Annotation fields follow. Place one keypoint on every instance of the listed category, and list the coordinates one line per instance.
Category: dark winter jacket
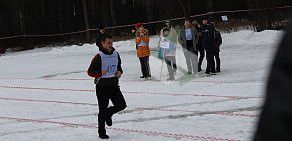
(208, 37)
(218, 41)
(275, 123)
(182, 38)
(94, 70)
(199, 30)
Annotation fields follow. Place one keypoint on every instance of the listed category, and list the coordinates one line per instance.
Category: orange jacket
(142, 43)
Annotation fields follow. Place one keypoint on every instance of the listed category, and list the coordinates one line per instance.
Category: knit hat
(165, 29)
(138, 25)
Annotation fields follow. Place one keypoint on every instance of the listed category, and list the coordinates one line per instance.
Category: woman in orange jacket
(143, 51)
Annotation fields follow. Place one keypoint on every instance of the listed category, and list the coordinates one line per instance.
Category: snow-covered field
(46, 94)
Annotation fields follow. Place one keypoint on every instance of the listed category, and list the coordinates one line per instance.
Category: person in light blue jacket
(167, 50)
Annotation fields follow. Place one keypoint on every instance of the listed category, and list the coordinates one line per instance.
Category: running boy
(106, 66)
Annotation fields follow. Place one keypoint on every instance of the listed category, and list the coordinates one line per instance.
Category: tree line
(46, 17)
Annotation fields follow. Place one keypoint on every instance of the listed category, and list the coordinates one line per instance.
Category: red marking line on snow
(46, 101)
(81, 79)
(150, 133)
(149, 109)
(151, 93)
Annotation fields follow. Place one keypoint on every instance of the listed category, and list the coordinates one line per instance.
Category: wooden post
(86, 20)
(162, 65)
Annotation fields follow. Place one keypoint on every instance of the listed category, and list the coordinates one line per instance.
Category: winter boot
(102, 133)
(170, 79)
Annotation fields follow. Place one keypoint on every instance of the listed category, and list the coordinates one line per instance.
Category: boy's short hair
(188, 19)
(105, 36)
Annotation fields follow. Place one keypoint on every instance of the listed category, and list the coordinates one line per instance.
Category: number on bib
(111, 68)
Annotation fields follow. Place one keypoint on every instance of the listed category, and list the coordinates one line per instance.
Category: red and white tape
(129, 92)
(144, 132)
(142, 109)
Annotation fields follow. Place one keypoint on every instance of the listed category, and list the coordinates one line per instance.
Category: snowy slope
(46, 94)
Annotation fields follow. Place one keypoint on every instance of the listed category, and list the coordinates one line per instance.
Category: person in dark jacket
(208, 42)
(188, 39)
(218, 42)
(100, 33)
(275, 123)
(106, 66)
(201, 50)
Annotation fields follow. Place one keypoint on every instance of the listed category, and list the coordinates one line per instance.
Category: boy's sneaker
(142, 76)
(103, 136)
(102, 133)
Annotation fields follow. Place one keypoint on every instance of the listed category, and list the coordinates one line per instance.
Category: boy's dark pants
(104, 94)
(217, 58)
(210, 61)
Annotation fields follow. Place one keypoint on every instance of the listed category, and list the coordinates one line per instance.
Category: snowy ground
(46, 94)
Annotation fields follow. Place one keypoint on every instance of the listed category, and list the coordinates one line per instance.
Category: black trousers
(171, 65)
(202, 56)
(217, 58)
(144, 61)
(104, 94)
(210, 61)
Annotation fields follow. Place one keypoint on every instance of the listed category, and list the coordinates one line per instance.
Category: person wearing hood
(275, 122)
(168, 52)
(208, 42)
(174, 36)
(106, 67)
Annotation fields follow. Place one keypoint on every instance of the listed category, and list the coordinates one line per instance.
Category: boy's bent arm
(94, 69)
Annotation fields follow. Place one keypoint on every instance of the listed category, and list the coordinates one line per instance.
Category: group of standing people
(194, 39)
(106, 67)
